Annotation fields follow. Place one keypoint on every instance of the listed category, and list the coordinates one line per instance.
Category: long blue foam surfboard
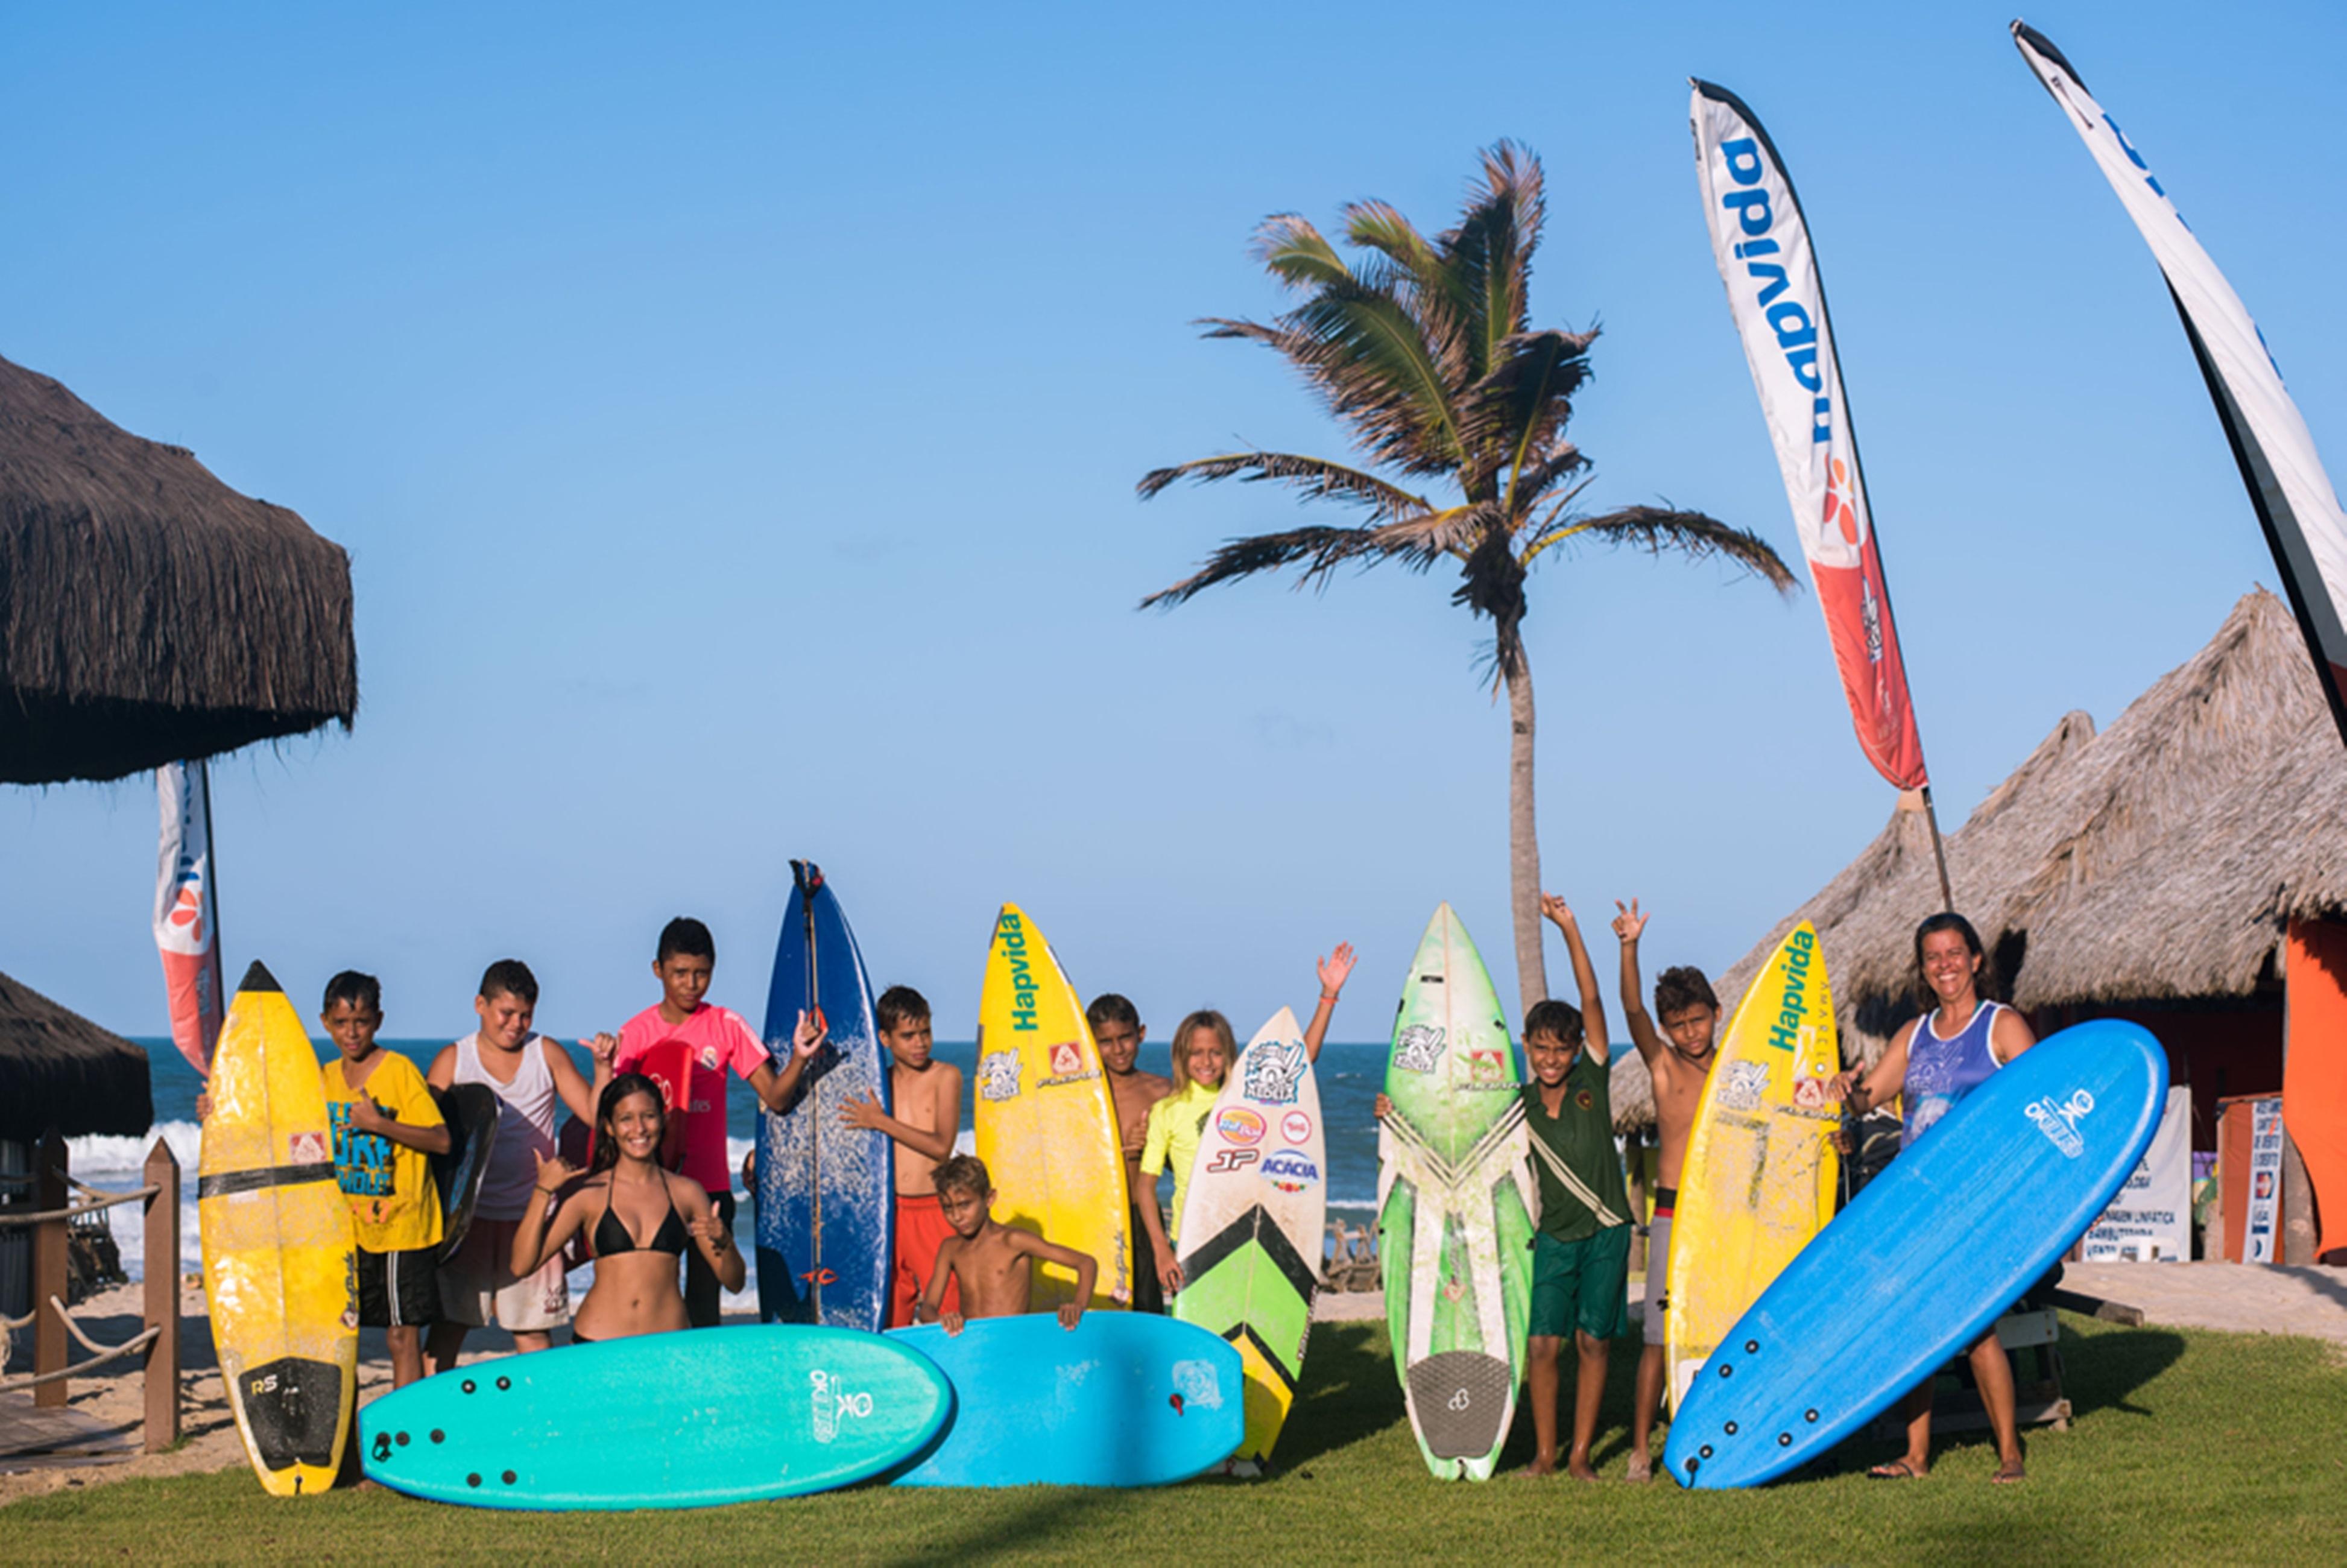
(826, 1192)
(662, 1421)
(1925, 1258)
(1123, 1399)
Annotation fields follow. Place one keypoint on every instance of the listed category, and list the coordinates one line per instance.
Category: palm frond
(1492, 247)
(1317, 477)
(1659, 529)
(1320, 552)
(1371, 361)
(1533, 480)
(1512, 415)
(1421, 277)
(1298, 254)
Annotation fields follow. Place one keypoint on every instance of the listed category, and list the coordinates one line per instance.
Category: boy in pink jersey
(721, 1044)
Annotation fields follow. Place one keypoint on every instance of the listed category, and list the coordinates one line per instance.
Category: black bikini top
(611, 1231)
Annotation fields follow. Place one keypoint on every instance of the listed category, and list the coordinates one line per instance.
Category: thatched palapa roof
(60, 1070)
(148, 612)
(2156, 863)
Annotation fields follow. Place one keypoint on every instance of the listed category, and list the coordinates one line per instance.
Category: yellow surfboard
(279, 1278)
(1759, 1178)
(1046, 1126)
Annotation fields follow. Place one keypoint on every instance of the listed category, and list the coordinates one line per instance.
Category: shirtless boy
(993, 1264)
(928, 1093)
(1679, 1059)
(1117, 1030)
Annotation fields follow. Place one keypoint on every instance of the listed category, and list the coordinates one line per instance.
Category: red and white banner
(2287, 484)
(186, 919)
(1762, 245)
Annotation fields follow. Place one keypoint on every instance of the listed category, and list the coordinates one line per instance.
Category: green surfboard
(1455, 1206)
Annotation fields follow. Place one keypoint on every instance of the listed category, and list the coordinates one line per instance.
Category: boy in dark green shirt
(1580, 1254)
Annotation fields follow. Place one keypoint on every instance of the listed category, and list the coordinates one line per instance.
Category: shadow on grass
(1350, 1392)
(2103, 1371)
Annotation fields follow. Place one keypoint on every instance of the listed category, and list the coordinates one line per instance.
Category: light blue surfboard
(1925, 1258)
(1123, 1399)
(663, 1420)
(826, 1192)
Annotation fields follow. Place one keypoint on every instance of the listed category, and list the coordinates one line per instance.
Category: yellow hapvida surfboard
(1046, 1127)
(279, 1279)
(1759, 1178)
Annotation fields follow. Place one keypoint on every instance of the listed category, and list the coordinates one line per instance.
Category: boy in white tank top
(528, 1072)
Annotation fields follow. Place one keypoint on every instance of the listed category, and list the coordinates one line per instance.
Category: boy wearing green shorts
(1580, 1252)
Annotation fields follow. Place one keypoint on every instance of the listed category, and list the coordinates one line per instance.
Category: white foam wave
(101, 1154)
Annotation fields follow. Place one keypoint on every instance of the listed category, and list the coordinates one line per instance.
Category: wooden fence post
(162, 1268)
(49, 1270)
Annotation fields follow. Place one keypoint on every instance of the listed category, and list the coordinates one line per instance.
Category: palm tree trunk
(1523, 838)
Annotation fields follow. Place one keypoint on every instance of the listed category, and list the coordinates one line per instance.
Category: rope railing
(107, 1201)
(53, 1325)
(100, 1354)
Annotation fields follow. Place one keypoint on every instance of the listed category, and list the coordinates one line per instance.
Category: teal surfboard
(1123, 1399)
(1455, 1206)
(663, 1420)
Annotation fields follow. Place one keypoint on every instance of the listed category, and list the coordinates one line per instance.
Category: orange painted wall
(2314, 1087)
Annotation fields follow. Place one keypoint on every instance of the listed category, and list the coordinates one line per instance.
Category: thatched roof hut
(2156, 864)
(60, 1070)
(148, 612)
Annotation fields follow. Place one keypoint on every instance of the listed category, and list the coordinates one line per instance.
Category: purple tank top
(1941, 1072)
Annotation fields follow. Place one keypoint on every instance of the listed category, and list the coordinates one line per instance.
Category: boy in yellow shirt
(386, 1122)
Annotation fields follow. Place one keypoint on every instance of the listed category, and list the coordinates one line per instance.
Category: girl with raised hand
(643, 1219)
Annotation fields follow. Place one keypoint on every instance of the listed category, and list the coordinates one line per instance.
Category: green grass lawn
(2230, 1448)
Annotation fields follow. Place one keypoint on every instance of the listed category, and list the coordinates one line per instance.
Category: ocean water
(1350, 1077)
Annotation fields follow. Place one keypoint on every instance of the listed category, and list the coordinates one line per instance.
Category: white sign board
(2151, 1217)
(2265, 1181)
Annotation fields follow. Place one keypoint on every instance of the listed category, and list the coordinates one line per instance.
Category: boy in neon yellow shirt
(385, 1124)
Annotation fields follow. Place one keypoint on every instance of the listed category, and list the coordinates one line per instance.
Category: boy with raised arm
(992, 1264)
(1580, 1254)
(1117, 1030)
(1580, 1251)
(528, 1072)
(927, 1094)
(723, 1046)
(1679, 1059)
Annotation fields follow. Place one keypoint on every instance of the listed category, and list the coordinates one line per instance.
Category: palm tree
(1426, 351)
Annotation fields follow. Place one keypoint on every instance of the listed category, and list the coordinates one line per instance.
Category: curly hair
(1677, 990)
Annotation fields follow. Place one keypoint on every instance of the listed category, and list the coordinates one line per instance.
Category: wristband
(1327, 996)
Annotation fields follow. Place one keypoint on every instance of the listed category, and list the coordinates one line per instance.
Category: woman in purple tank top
(1934, 1062)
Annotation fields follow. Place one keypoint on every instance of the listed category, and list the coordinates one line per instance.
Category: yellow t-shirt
(389, 1184)
(1177, 1123)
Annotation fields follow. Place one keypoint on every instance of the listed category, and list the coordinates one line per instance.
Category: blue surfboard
(1925, 1258)
(826, 1192)
(661, 1420)
(1123, 1399)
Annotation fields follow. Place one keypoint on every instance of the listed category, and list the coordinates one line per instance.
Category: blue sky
(733, 421)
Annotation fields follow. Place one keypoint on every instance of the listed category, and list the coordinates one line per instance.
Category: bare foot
(1898, 1469)
(2007, 1473)
(1641, 1468)
(1579, 1468)
(1541, 1465)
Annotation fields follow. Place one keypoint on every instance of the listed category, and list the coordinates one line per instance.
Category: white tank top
(524, 1125)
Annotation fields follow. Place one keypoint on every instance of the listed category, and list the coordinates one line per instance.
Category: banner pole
(1939, 853)
(212, 895)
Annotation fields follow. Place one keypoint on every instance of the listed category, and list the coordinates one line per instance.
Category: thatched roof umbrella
(61, 1071)
(148, 612)
(2158, 861)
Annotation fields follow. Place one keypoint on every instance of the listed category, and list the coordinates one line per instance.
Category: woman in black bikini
(643, 1219)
